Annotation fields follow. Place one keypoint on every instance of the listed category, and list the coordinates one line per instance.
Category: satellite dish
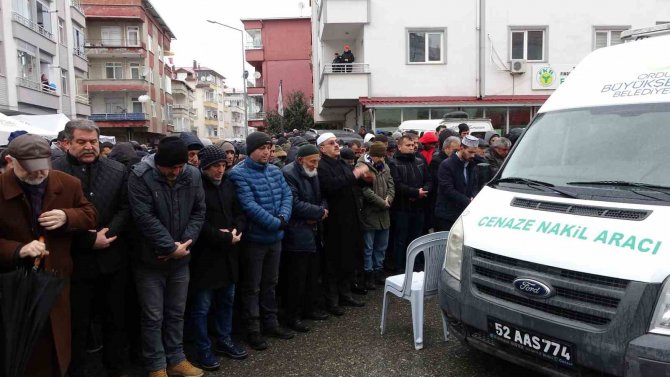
(143, 98)
(257, 75)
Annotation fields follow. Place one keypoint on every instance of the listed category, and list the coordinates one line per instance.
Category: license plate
(531, 342)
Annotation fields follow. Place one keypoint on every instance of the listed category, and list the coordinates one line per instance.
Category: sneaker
(231, 350)
(208, 362)
(257, 341)
(158, 373)
(184, 369)
(279, 333)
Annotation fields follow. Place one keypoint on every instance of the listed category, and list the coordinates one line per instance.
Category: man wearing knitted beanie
(168, 205)
(267, 202)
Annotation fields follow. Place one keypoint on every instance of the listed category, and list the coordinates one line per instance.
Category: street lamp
(245, 74)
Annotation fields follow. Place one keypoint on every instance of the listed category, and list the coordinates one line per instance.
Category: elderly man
(497, 153)
(100, 258)
(457, 183)
(302, 241)
(167, 202)
(342, 230)
(267, 202)
(38, 203)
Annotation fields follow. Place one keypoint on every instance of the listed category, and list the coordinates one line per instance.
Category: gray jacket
(375, 214)
(165, 214)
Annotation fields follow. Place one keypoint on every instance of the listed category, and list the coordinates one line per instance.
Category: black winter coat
(409, 174)
(214, 259)
(308, 206)
(165, 214)
(347, 57)
(105, 184)
(454, 194)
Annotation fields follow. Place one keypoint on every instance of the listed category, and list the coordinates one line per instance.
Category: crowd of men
(159, 246)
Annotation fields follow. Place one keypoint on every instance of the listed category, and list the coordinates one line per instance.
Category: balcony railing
(253, 46)
(82, 98)
(27, 83)
(257, 115)
(77, 4)
(79, 51)
(112, 42)
(117, 117)
(347, 68)
(31, 25)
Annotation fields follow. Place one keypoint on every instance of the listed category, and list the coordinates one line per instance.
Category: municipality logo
(546, 77)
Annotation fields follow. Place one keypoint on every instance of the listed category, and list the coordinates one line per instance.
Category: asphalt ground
(352, 345)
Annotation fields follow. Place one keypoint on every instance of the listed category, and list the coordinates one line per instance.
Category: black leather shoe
(358, 289)
(256, 341)
(316, 315)
(335, 310)
(279, 333)
(380, 278)
(298, 326)
(350, 301)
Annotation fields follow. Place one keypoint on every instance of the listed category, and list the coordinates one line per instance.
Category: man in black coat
(342, 229)
(347, 58)
(100, 258)
(457, 184)
(412, 185)
(214, 262)
(302, 242)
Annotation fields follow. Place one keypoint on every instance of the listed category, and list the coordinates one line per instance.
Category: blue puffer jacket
(263, 195)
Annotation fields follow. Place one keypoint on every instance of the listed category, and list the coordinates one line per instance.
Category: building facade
(493, 59)
(129, 82)
(182, 112)
(208, 103)
(279, 49)
(42, 61)
(233, 113)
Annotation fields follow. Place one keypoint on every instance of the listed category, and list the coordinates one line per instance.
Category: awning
(451, 101)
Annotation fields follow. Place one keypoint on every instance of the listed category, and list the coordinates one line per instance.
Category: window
(151, 75)
(111, 35)
(135, 71)
(22, 7)
(605, 38)
(43, 17)
(426, 47)
(150, 43)
(114, 106)
(114, 70)
(61, 32)
(254, 39)
(528, 45)
(415, 113)
(160, 52)
(153, 109)
(136, 105)
(78, 40)
(63, 82)
(388, 118)
(27, 61)
(133, 35)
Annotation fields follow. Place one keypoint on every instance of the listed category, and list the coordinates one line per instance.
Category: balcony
(181, 110)
(32, 93)
(253, 52)
(337, 16)
(83, 99)
(212, 122)
(341, 85)
(119, 117)
(115, 48)
(25, 29)
(256, 90)
(210, 104)
(259, 115)
(78, 13)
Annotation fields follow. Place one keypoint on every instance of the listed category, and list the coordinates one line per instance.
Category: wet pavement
(351, 345)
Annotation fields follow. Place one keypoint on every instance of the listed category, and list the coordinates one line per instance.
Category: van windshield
(625, 144)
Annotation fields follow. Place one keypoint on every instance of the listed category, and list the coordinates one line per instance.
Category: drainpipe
(481, 48)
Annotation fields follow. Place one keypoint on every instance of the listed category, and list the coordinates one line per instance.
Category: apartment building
(279, 49)
(130, 82)
(42, 62)
(182, 113)
(494, 59)
(208, 103)
(233, 113)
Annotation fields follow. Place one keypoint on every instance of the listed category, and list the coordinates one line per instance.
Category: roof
(275, 19)
(453, 100)
(200, 69)
(161, 21)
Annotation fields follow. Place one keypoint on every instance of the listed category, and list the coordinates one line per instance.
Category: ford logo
(533, 288)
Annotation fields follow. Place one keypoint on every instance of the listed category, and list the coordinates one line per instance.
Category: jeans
(408, 226)
(260, 271)
(162, 296)
(376, 242)
(201, 302)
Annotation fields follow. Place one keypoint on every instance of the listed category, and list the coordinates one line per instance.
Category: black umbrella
(26, 298)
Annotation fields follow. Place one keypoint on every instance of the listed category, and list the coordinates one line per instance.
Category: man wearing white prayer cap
(456, 184)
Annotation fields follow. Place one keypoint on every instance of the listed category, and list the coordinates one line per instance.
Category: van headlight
(660, 324)
(453, 258)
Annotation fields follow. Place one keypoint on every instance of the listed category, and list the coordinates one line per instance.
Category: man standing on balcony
(347, 58)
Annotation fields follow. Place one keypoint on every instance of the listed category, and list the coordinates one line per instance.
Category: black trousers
(301, 276)
(442, 224)
(260, 272)
(103, 295)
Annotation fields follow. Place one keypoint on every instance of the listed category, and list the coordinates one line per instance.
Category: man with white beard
(301, 244)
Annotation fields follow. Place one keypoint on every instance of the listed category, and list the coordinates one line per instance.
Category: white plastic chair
(414, 286)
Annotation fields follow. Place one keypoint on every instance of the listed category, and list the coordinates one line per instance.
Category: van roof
(420, 125)
(629, 73)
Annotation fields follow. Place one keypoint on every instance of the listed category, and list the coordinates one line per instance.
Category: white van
(478, 126)
(561, 263)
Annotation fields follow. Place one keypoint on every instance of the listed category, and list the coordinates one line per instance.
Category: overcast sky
(212, 45)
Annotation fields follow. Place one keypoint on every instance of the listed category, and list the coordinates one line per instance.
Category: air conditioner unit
(517, 66)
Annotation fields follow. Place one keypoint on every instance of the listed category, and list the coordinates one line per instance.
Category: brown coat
(62, 192)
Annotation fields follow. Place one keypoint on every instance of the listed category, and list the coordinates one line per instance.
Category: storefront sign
(548, 77)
